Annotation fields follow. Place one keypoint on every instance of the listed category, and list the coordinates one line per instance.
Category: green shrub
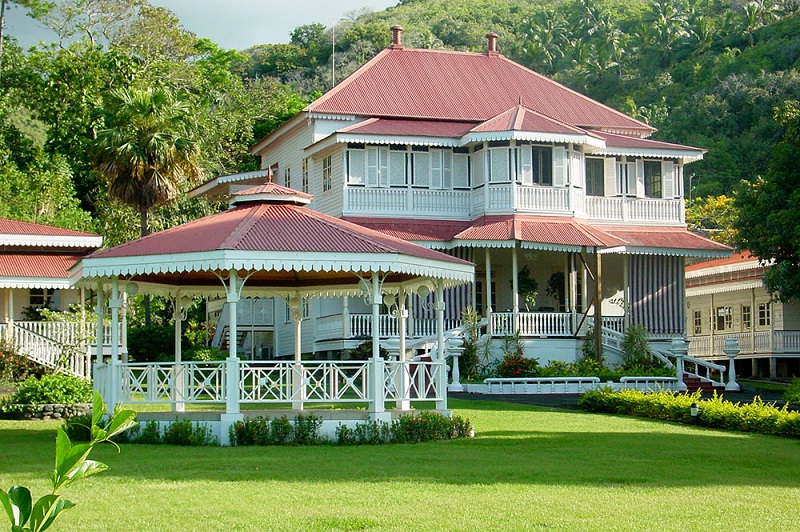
(368, 433)
(153, 343)
(149, 433)
(78, 428)
(15, 367)
(53, 389)
(758, 416)
(184, 432)
(306, 429)
(204, 354)
(429, 426)
(792, 393)
(514, 365)
(277, 431)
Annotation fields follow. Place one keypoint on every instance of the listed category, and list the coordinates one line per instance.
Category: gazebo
(269, 243)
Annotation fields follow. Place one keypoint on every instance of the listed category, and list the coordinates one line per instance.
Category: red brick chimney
(397, 37)
(492, 50)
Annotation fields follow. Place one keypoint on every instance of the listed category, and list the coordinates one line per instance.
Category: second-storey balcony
(506, 198)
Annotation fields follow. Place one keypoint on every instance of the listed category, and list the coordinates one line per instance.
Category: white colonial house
(477, 156)
(34, 264)
(726, 298)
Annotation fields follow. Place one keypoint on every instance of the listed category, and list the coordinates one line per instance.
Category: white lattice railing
(414, 381)
(407, 201)
(337, 382)
(542, 198)
(749, 343)
(532, 323)
(634, 209)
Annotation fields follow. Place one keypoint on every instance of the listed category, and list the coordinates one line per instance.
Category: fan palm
(147, 149)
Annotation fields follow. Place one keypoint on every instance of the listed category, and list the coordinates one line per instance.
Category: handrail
(49, 352)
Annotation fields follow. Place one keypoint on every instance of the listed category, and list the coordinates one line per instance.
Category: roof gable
(438, 84)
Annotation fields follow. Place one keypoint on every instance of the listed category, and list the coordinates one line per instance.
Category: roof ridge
(248, 221)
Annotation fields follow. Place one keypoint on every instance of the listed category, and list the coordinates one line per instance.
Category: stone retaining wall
(45, 411)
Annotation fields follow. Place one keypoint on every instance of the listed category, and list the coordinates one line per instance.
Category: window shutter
(639, 179)
(526, 165)
(383, 171)
(397, 168)
(447, 169)
(559, 156)
(498, 172)
(436, 169)
(422, 169)
(460, 170)
(610, 176)
(372, 167)
(576, 169)
(668, 171)
(356, 170)
(478, 167)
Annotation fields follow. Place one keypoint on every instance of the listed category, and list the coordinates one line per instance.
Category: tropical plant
(148, 147)
(555, 288)
(792, 393)
(72, 465)
(527, 286)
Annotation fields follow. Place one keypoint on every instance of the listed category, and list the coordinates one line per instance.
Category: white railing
(364, 200)
(532, 323)
(649, 384)
(634, 209)
(415, 381)
(749, 343)
(361, 326)
(169, 382)
(309, 381)
(73, 359)
(539, 198)
(541, 385)
(696, 367)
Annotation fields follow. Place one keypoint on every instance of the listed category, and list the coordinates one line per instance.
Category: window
(698, 322)
(747, 317)
(304, 171)
(377, 166)
(499, 159)
(652, 179)
(287, 177)
(535, 165)
(44, 297)
(724, 318)
(595, 176)
(764, 315)
(327, 173)
(626, 177)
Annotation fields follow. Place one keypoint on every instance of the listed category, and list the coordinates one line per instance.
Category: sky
(236, 24)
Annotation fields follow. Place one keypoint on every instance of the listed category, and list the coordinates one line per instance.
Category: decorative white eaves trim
(398, 139)
(61, 241)
(532, 136)
(720, 288)
(686, 155)
(34, 282)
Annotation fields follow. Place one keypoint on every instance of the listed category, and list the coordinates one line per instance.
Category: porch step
(695, 383)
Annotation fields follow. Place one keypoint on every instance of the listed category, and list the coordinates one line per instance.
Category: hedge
(758, 416)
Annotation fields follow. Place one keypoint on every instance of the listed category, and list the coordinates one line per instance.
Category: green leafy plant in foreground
(72, 464)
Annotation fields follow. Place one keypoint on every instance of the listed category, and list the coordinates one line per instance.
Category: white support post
(114, 305)
(731, 349)
(124, 331)
(403, 382)
(488, 291)
(178, 387)
(515, 289)
(441, 374)
(232, 362)
(456, 349)
(679, 348)
(100, 375)
(298, 372)
(377, 364)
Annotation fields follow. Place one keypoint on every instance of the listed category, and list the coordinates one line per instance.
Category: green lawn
(528, 468)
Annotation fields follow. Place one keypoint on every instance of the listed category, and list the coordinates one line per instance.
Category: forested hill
(706, 73)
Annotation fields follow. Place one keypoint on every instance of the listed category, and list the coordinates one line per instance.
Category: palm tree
(147, 149)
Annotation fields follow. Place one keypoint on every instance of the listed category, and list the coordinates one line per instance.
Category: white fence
(532, 323)
(361, 326)
(758, 342)
(569, 385)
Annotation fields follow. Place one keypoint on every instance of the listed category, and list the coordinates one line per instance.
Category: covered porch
(270, 245)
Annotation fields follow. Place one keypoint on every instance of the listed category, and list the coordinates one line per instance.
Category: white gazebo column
(100, 373)
(440, 365)
(377, 393)
(403, 385)
(232, 362)
(178, 386)
(114, 305)
(731, 349)
(298, 372)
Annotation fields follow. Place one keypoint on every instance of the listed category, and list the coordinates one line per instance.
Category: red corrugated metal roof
(270, 227)
(624, 141)
(47, 265)
(520, 118)
(664, 237)
(414, 128)
(416, 230)
(738, 258)
(15, 227)
(438, 84)
(538, 229)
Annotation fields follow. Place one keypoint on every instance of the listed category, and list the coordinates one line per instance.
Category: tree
(714, 217)
(769, 220)
(36, 8)
(147, 148)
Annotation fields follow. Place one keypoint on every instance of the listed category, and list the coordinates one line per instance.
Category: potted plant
(528, 288)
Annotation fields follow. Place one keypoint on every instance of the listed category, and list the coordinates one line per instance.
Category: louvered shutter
(478, 167)
(383, 170)
(668, 171)
(422, 169)
(610, 177)
(499, 165)
(372, 167)
(526, 165)
(576, 169)
(559, 163)
(638, 178)
(436, 169)
(460, 170)
(356, 170)
(397, 168)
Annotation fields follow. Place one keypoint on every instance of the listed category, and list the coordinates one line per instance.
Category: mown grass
(528, 468)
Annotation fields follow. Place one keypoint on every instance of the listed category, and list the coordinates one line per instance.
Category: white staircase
(55, 345)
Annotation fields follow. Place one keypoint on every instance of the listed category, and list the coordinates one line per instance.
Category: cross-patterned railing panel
(265, 382)
(414, 381)
(335, 381)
